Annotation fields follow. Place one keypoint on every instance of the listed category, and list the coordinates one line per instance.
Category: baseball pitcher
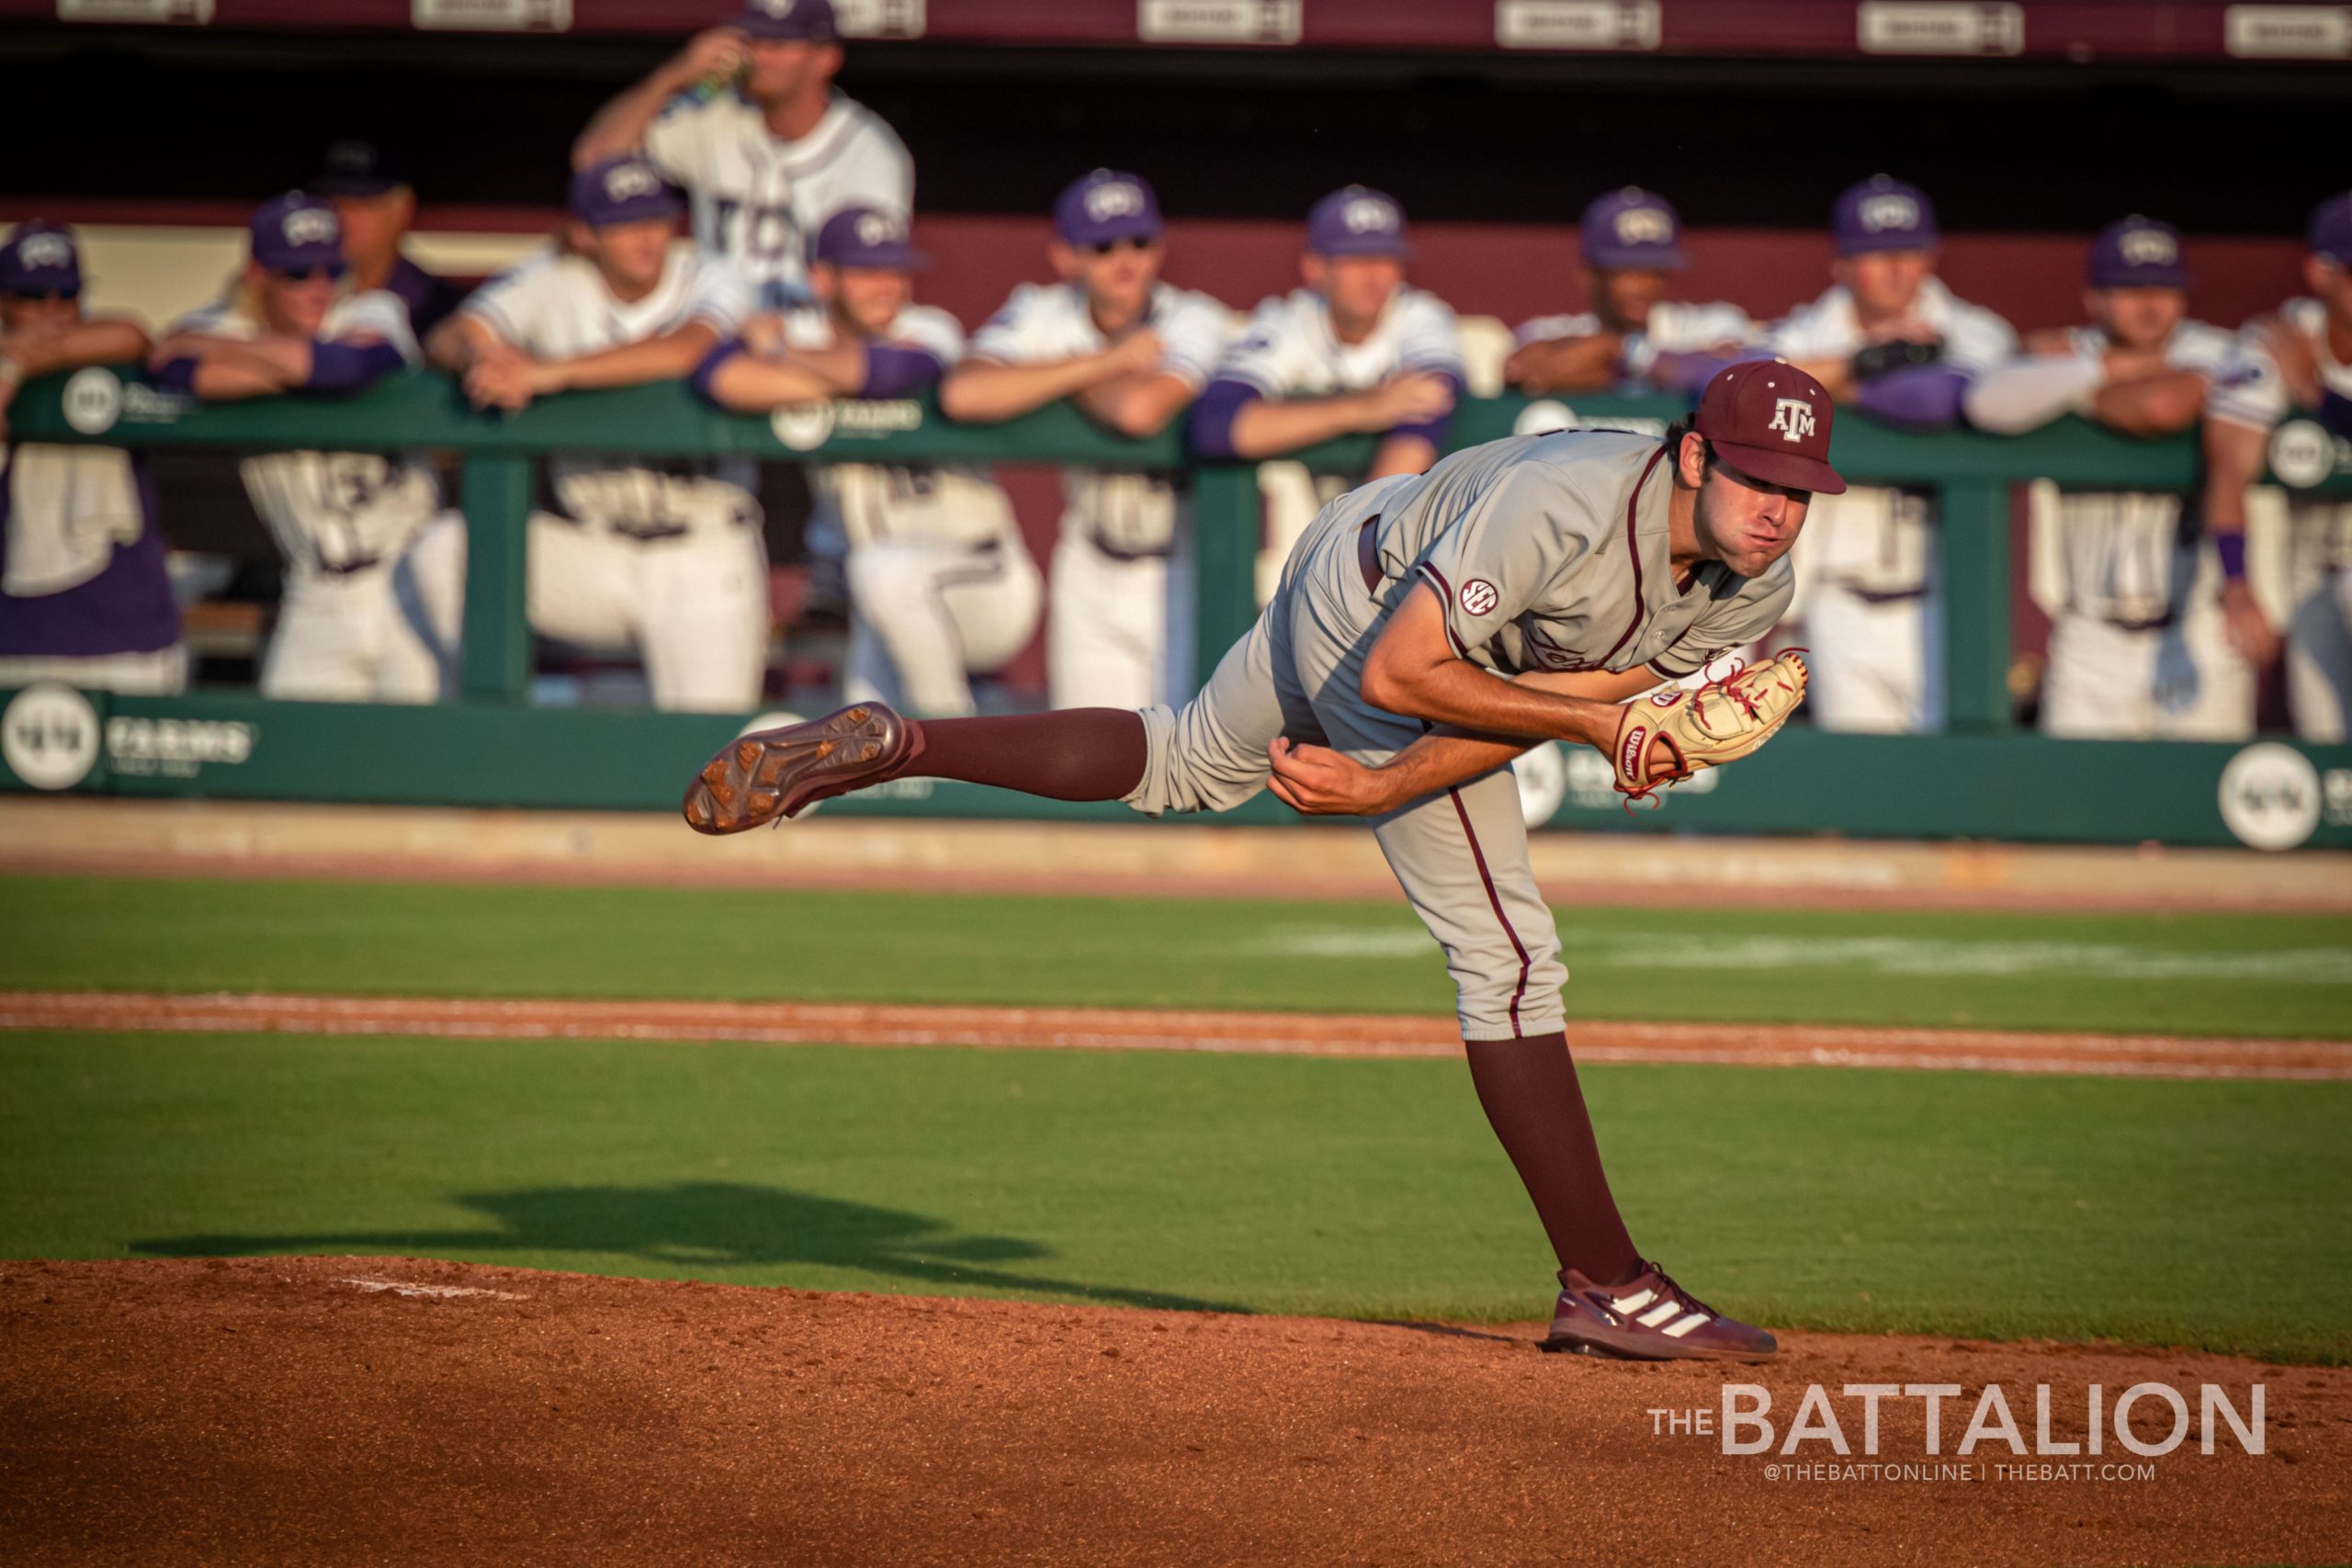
(1426, 629)
(942, 586)
(2138, 644)
(1133, 352)
(661, 555)
(374, 566)
(2302, 355)
(84, 595)
(746, 120)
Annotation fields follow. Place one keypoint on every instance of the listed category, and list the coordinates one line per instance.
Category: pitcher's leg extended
(1208, 756)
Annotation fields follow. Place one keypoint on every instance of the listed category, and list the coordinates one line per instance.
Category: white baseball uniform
(374, 566)
(661, 555)
(2319, 534)
(1673, 326)
(759, 200)
(942, 586)
(1119, 626)
(2138, 647)
(1868, 588)
(1288, 351)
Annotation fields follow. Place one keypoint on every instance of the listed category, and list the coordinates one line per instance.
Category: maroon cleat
(780, 772)
(1649, 1318)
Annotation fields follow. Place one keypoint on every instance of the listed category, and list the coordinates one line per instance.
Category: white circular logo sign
(2302, 454)
(50, 735)
(1478, 596)
(802, 426)
(1543, 416)
(2270, 797)
(1542, 775)
(93, 401)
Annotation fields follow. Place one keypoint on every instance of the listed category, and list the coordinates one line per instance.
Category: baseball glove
(1705, 726)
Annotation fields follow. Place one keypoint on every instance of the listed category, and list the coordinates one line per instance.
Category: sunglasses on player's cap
(1770, 420)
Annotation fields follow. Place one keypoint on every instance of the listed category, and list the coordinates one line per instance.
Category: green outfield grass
(2201, 1213)
(2236, 974)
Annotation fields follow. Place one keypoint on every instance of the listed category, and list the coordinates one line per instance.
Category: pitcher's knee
(1187, 769)
(1501, 992)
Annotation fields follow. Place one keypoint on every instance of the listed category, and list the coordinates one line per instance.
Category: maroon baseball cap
(1769, 419)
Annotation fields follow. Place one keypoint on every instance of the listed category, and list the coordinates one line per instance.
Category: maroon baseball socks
(1070, 755)
(1528, 1086)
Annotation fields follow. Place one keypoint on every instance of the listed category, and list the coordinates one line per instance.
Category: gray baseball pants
(1460, 856)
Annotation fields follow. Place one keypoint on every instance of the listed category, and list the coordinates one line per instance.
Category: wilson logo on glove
(1707, 726)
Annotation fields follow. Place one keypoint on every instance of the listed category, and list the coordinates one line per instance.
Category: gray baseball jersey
(1559, 538)
(1550, 553)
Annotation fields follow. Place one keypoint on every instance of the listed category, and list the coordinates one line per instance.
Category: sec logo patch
(1478, 596)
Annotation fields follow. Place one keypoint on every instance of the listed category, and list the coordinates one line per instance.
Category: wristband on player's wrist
(2231, 548)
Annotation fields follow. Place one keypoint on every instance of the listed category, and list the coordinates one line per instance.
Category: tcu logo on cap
(1113, 199)
(1793, 417)
(779, 9)
(875, 229)
(1368, 215)
(1881, 212)
(310, 226)
(1644, 226)
(2148, 247)
(46, 250)
(627, 180)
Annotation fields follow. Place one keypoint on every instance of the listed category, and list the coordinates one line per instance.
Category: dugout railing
(1981, 778)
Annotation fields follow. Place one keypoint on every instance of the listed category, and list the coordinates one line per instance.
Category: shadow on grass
(716, 1222)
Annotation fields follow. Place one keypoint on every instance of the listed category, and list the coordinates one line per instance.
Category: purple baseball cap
(810, 21)
(41, 258)
(1884, 214)
(2137, 253)
(1631, 229)
(867, 237)
(1106, 206)
(626, 189)
(2331, 231)
(297, 233)
(1357, 220)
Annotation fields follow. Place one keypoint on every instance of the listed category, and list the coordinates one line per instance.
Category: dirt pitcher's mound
(344, 1410)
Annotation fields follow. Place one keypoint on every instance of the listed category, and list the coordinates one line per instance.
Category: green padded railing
(1972, 472)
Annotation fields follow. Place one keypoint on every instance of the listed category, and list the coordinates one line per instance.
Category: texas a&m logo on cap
(1793, 417)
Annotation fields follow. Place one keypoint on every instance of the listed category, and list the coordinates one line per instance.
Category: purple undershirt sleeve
(1923, 397)
(1434, 430)
(699, 377)
(895, 372)
(1220, 403)
(346, 367)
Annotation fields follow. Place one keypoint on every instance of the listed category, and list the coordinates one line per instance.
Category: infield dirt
(397, 1410)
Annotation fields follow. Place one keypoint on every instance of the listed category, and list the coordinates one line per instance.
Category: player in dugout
(942, 586)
